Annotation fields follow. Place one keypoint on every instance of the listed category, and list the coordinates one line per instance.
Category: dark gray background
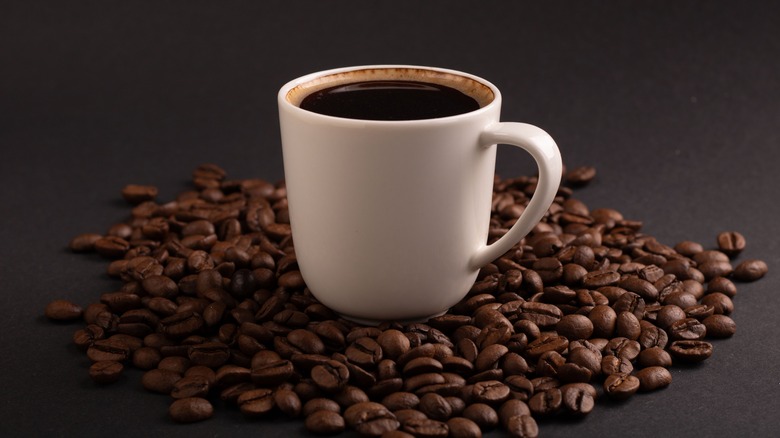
(676, 103)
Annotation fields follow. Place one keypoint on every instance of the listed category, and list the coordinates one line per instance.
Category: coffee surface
(389, 100)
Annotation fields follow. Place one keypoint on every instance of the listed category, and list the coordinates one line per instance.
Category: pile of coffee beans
(214, 309)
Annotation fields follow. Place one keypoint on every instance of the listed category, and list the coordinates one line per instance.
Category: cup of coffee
(389, 172)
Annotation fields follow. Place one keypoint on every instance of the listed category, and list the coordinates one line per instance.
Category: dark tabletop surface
(676, 103)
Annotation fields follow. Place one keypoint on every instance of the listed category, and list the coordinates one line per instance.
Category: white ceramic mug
(390, 218)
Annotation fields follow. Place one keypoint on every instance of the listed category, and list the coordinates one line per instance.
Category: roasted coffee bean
(512, 408)
(105, 372)
(620, 386)
(320, 404)
(365, 352)
(721, 303)
(546, 402)
(111, 247)
(731, 243)
(723, 285)
(688, 328)
(482, 414)
(426, 428)
(84, 242)
(349, 396)
(256, 403)
(190, 410)
(325, 422)
(750, 270)
(422, 365)
(332, 376)
(108, 350)
(580, 176)
(370, 419)
(719, 326)
(604, 321)
(63, 310)
(272, 373)
(597, 279)
(611, 364)
(491, 392)
(435, 406)
(522, 426)
(461, 427)
(160, 380)
(401, 400)
(690, 350)
(654, 356)
(288, 402)
(489, 357)
(136, 194)
(652, 378)
(393, 343)
(405, 415)
(210, 354)
(191, 386)
(575, 327)
(578, 399)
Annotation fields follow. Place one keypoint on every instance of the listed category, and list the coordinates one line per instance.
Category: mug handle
(548, 159)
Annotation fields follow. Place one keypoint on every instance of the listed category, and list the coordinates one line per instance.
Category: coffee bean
(401, 400)
(108, 350)
(512, 408)
(320, 404)
(190, 410)
(331, 376)
(491, 392)
(691, 350)
(750, 270)
(393, 343)
(370, 419)
(427, 428)
(190, 386)
(105, 372)
(522, 426)
(731, 243)
(719, 326)
(723, 285)
(580, 176)
(84, 242)
(654, 356)
(548, 402)
(482, 414)
(364, 352)
(604, 321)
(721, 303)
(578, 400)
(63, 310)
(461, 427)
(405, 415)
(136, 194)
(435, 407)
(575, 327)
(288, 402)
(272, 373)
(688, 328)
(620, 386)
(160, 380)
(111, 247)
(256, 403)
(652, 378)
(324, 422)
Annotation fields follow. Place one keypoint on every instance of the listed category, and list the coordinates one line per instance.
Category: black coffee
(389, 100)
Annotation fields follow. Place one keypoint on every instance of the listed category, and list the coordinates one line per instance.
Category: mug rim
(287, 89)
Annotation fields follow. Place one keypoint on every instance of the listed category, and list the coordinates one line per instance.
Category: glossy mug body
(390, 218)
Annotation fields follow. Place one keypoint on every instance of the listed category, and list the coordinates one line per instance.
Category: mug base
(375, 322)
